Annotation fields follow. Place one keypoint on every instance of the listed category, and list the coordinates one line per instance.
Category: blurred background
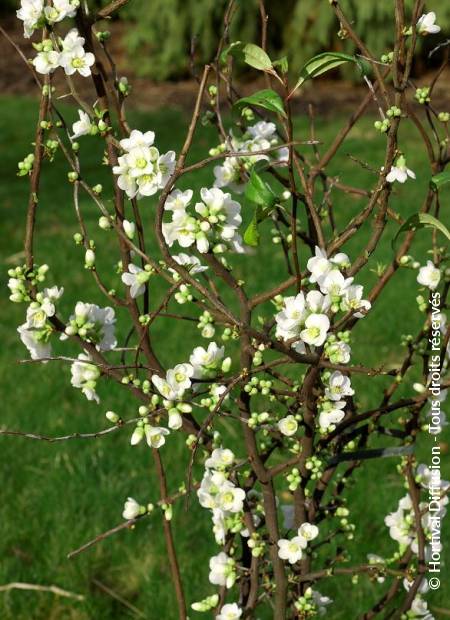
(57, 496)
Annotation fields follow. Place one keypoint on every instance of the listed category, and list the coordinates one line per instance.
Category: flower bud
(112, 417)
(89, 259)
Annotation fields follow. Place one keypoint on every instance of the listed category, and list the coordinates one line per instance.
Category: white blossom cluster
(68, 53)
(93, 324)
(233, 173)
(291, 549)
(36, 331)
(219, 494)
(35, 13)
(305, 320)
(214, 225)
(142, 170)
(402, 528)
(401, 522)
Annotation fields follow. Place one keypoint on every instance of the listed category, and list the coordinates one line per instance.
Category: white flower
(93, 324)
(206, 362)
(61, 9)
(291, 550)
(178, 200)
(316, 328)
(141, 169)
(338, 386)
(426, 24)
(222, 570)
(131, 509)
(220, 458)
(46, 62)
(262, 129)
(429, 276)
(35, 342)
(137, 139)
(353, 301)
(210, 487)
(83, 126)
(72, 41)
(191, 263)
(229, 174)
(399, 172)
(30, 13)
(136, 278)
(319, 265)
(155, 435)
(85, 375)
(183, 228)
(38, 311)
(288, 426)
(178, 379)
(73, 58)
(330, 417)
(308, 531)
(338, 352)
(230, 611)
(230, 498)
(317, 303)
(334, 284)
(291, 317)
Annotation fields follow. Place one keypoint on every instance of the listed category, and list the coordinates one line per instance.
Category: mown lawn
(57, 496)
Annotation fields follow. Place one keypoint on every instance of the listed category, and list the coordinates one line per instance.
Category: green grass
(57, 496)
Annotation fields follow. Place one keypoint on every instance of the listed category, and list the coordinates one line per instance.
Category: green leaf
(250, 53)
(440, 179)
(251, 235)
(267, 99)
(421, 220)
(322, 63)
(282, 63)
(258, 191)
(256, 57)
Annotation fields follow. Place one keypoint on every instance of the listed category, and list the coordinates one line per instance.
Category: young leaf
(322, 63)
(258, 191)
(267, 99)
(250, 53)
(251, 235)
(256, 57)
(421, 220)
(440, 179)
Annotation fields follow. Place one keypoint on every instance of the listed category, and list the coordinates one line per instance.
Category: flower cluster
(291, 549)
(219, 494)
(85, 375)
(304, 318)
(233, 172)
(68, 54)
(331, 407)
(34, 13)
(214, 226)
(142, 170)
(401, 522)
(93, 324)
(36, 331)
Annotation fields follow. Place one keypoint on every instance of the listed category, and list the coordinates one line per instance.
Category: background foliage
(297, 28)
(160, 32)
